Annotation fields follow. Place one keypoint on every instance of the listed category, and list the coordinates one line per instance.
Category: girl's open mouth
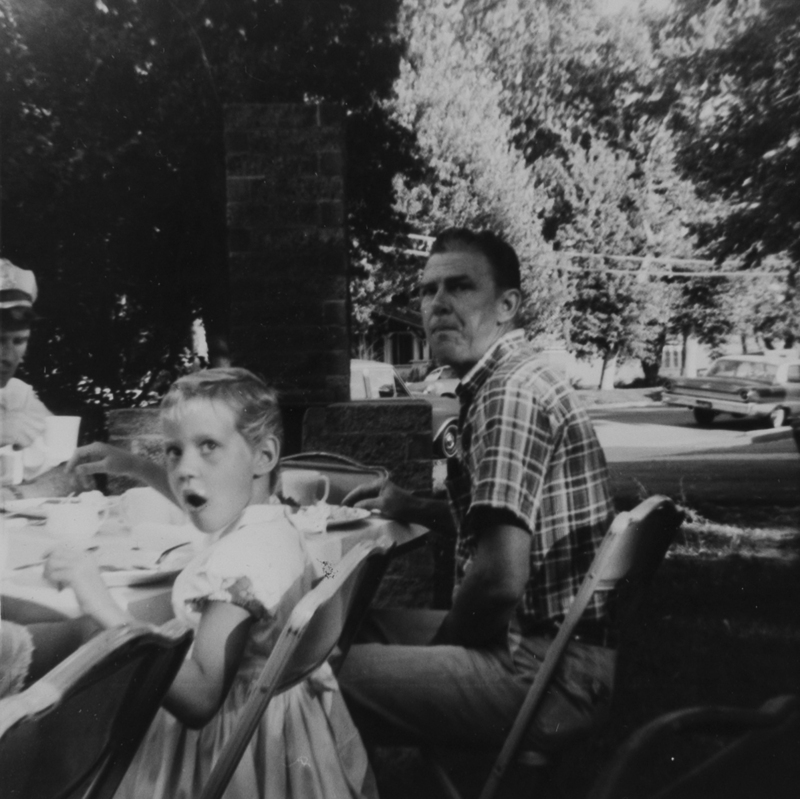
(194, 501)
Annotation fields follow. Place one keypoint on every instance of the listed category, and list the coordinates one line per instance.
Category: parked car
(376, 380)
(442, 381)
(759, 386)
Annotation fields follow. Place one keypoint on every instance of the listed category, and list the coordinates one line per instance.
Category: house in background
(396, 337)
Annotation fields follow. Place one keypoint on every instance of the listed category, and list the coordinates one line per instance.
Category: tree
(737, 124)
(112, 162)
(470, 174)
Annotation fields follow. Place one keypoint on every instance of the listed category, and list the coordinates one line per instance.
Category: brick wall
(391, 433)
(287, 251)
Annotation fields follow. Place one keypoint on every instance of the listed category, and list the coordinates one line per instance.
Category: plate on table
(115, 578)
(35, 507)
(138, 562)
(342, 515)
(30, 508)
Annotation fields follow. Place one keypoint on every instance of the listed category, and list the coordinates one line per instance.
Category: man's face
(13, 344)
(463, 312)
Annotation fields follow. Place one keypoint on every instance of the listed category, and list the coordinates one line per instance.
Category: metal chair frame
(74, 732)
(628, 557)
(760, 755)
(344, 473)
(318, 624)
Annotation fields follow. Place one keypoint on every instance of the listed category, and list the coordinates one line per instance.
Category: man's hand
(381, 495)
(394, 502)
(20, 428)
(100, 458)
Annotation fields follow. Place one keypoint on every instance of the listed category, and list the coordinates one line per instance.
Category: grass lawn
(720, 624)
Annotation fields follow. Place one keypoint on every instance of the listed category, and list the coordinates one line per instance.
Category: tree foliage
(112, 162)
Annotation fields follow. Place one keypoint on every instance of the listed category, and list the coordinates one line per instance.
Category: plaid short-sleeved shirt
(529, 448)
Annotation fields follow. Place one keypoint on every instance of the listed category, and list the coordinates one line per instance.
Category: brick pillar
(287, 252)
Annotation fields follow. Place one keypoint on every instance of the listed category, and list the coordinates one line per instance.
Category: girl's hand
(100, 458)
(68, 565)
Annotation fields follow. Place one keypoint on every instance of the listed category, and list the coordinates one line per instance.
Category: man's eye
(172, 452)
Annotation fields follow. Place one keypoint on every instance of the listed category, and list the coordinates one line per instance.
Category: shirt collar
(471, 382)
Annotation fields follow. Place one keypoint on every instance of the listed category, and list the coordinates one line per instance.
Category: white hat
(17, 286)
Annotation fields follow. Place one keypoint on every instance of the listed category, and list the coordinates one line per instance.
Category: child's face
(211, 467)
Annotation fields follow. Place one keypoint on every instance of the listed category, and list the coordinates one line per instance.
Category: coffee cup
(61, 436)
(74, 519)
(304, 486)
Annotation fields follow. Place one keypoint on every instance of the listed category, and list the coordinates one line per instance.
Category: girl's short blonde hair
(254, 403)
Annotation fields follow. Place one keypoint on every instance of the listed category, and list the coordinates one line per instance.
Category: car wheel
(703, 416)
(778, 417)
(449, 440)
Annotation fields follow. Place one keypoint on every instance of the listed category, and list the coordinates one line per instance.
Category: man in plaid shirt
(529, 502)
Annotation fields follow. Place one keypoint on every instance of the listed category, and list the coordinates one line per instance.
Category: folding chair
(710, 753)
(311, 635)
(74, 732)
(628, 557)
(344, 473)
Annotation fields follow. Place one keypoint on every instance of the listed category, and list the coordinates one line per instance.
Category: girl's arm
(100, 458)
(201, 685)
(205, 677)
(70, 566)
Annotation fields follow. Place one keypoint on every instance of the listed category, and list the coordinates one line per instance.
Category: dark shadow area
(709, 631)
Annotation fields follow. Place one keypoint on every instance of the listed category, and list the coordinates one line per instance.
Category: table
(151, 603)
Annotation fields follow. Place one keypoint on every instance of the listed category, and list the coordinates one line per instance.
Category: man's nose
(440, 303)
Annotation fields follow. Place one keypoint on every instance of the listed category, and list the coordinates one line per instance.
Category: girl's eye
(209, 446)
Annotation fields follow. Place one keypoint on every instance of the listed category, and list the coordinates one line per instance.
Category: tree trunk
(609, 373)
(689, 355)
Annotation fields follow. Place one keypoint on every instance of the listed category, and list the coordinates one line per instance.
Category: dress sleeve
(252, 568)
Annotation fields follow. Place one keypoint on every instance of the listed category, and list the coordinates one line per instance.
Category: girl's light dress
(306, 745)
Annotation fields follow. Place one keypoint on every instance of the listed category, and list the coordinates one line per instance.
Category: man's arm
(493, 585)
(56, 482)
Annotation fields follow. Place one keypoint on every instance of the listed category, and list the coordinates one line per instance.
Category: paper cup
(61, 436)
(11, 466)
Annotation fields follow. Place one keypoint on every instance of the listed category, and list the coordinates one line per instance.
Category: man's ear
(268, 454)
(509, 303)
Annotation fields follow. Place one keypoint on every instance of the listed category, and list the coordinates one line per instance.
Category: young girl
(222, 434)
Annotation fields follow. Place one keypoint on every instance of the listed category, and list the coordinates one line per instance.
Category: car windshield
(748, 370)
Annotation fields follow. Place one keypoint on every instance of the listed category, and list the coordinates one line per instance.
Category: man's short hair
(499, 253)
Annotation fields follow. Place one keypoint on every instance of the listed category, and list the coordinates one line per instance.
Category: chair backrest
(629, 555)
(710, 753)
(74, 732)
(311, 634)
(344, 473)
